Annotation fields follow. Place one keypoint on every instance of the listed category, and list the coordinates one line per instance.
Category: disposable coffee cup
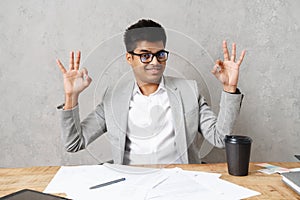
(238, 150)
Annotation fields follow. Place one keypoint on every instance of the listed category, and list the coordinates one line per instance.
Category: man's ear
(128, 58)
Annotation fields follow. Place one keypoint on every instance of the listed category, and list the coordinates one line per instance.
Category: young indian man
(152, 119)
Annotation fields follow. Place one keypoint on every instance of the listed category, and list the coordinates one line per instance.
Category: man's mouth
(154, 71)
(153, 68)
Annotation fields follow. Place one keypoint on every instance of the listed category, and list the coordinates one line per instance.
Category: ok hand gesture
(75, 81)
(227, 71)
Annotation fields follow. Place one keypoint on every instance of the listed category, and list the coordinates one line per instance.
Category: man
(153, 119)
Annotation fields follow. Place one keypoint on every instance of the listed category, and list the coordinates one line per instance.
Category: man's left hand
(227, 71)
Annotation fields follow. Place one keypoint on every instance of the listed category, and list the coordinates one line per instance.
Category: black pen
(108, 183)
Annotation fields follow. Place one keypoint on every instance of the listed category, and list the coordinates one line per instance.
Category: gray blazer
(191, 116)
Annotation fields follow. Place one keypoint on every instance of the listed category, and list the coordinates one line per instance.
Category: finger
(215, 69)
(239, 62)
(71, 63)
(77, 62)
(84, 71)
(225, 51)
(61, 67)
(233, 52)
(87, 79)
(219, 63)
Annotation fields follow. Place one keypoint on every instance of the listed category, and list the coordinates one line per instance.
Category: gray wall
(34, 33)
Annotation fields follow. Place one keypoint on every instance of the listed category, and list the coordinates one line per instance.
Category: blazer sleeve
(77, 135)
(214, 128)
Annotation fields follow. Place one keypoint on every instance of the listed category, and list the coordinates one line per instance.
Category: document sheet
(142, 183)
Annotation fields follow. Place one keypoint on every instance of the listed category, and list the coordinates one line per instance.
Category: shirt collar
(161, 86)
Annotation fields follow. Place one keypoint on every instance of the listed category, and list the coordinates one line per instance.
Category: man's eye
(146, 56)
(161, 54)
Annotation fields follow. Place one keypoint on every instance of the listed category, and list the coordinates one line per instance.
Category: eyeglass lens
(161, 56)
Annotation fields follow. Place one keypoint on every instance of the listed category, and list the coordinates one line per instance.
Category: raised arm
(75, 80)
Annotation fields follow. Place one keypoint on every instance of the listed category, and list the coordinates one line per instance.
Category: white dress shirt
(150, 130)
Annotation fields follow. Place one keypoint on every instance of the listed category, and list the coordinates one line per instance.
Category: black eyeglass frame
(152, 55)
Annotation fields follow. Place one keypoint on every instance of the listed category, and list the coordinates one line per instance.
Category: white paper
(182, 186)
(143, 183)
(227, 189)
(76, 181)
(187, 185)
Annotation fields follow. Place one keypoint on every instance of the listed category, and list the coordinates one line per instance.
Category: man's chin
(154, 79)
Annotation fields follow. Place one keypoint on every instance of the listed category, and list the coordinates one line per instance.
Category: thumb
(216, 70)
(86, 79)
(84, 71)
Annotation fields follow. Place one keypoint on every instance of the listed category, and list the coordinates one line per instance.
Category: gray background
(34, 33)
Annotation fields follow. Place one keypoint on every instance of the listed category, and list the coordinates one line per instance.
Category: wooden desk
(270, 186)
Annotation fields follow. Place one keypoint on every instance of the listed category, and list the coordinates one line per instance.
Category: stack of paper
(143, 183)
(272, 169)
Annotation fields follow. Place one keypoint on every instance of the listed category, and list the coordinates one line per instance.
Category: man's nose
(154, 61)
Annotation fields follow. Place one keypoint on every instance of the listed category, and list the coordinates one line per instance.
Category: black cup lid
(241, 139)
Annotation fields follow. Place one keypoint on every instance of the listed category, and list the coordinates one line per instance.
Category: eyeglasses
(146, 58)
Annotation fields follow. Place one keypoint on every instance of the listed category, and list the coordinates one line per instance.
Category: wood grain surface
(270, 186)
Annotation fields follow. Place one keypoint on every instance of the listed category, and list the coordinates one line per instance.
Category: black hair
(144, 30)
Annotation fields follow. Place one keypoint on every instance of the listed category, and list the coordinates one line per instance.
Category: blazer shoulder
(177, 79)
(181, 83)
(120, 91)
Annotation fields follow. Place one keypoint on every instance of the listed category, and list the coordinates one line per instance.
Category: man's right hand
(75, 81)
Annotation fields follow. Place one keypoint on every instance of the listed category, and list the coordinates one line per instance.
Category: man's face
(151, 72)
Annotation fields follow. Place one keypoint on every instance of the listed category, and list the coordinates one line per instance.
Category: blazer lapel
(178, 118)
(120, 98)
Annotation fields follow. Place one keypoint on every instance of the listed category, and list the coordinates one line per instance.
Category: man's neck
(148, 88)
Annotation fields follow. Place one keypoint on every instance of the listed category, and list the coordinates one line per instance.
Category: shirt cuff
(60, 107)
(237, 91)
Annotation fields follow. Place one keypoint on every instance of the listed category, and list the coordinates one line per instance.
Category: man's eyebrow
(147, 51)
